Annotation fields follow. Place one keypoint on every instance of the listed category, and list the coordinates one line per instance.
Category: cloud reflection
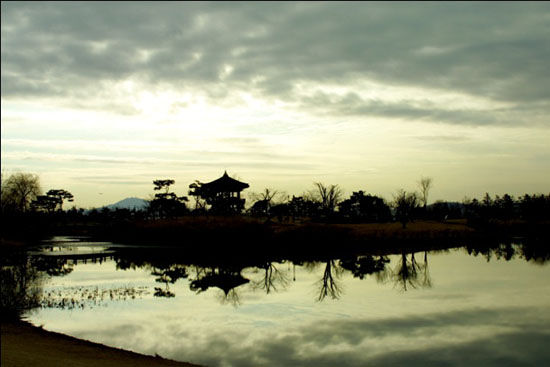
(476, 337)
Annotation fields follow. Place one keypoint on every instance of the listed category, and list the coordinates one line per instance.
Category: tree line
(21, 193)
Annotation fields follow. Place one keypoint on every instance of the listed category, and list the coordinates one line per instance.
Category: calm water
(437, 308)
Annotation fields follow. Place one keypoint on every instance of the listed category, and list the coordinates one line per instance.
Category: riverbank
(25, 345)
(215, 237)
(245, 235)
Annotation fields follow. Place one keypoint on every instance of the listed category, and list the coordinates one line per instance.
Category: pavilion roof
(225, 282)
(225, 184)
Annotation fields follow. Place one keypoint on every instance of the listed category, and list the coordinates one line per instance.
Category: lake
(456, 307)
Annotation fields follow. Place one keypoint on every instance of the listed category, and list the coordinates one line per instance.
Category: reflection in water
(362, 266)
(168, 276)
(532, 250)
(426, 279)
(23, 276)
(328, 284)
(273, 280)
(480, 310)
(82, 297)
(21, 285)
(226, 279)
(411, 273)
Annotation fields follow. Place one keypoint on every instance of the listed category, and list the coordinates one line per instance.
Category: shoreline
(24, 344)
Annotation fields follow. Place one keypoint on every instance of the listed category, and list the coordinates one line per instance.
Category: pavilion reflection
(226, 279)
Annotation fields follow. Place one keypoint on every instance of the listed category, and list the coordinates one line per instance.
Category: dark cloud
(74, 50)
(353, 105)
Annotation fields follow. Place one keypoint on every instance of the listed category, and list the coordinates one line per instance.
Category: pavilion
(224, 194)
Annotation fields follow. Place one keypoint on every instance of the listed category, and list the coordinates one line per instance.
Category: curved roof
(224, 281)
(225, 184)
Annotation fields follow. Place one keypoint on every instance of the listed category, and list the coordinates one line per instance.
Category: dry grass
(430, 228)
(246, 232)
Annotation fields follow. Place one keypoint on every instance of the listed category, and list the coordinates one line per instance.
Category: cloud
(74, 52)
(444, 138)
(480, 337)
(201, 160)
(353, 105)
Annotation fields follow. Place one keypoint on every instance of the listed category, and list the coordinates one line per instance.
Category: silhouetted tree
(425, 184)
(328, 197)
(405, 205)
(45, 203)
(442, 210)
(535, 207)
(18, 191)
(361, 207)
(505, 207)
(195, 191)
(280, 211)
(263, 202)
(60, 195)
(167, 204)
(303, 206)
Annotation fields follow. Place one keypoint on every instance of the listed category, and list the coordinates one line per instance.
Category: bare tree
(425, 185)
(19, 190)
(405, 204)
(329, 196)
(263, 201)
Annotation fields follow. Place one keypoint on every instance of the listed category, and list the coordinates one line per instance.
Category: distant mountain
(450, 204)
(129, 203)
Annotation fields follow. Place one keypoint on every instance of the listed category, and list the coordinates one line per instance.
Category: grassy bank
(25, 345)
(241, 234)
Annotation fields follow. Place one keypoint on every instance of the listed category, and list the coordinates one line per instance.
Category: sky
(102, 98)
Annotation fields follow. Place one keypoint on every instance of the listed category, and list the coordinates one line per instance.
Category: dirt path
(24, 345)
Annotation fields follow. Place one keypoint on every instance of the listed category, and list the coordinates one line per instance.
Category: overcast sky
(103, 98)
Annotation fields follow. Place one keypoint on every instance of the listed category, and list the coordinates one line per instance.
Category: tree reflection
(273, 279)
(168, 276)
(535, 250)
(53, 265)
(22, 276)
(362, 266)
(426, 278)
(407, 273)
(21, 286)
(329, 285)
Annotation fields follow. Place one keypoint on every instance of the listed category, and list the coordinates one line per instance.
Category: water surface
(427, 308)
